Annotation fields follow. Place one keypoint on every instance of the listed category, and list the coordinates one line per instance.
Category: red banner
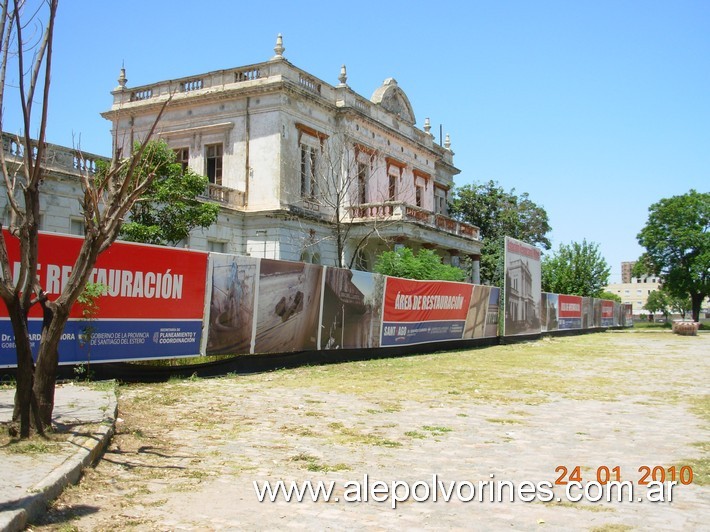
(145, 282)
(413, 301)
(569, 306)
(607, 309)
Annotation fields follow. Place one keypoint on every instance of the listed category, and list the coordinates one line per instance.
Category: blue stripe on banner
(112, 340)
(398, 333)
(569, 323)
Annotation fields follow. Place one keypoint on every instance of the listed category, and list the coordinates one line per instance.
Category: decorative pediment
(394, 100)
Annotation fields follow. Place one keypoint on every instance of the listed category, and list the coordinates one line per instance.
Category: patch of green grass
(440, 430)
(585, 507)
(504, 421)
(616, 527)
(343, 434)
(34, 445)
(313, 464)
(700, 406)
(530, 373)
(312, 413)
(701, 470)
(414, 434)
(298, 430)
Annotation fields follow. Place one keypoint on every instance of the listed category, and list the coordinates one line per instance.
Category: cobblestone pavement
(36, 468)
(186, 453)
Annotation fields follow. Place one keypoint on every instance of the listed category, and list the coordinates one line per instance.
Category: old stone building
(304, 170)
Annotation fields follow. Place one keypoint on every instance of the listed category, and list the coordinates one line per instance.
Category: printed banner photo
(153, 305)
(549, 303)
(288, 307)
(352, 309)
(231, 320)
(493, 313)
(522, 288)
(416, 312)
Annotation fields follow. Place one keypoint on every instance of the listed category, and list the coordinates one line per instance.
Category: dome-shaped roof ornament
(390, 97)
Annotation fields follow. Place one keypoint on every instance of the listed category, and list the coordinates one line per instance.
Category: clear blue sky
(596, 108)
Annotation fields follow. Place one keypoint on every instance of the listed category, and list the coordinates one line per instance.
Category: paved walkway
(41, 470)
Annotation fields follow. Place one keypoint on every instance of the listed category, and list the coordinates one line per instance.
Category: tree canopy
(575, 269)
(498, 214)
(423, 265)
(677, 241)
(170, 208)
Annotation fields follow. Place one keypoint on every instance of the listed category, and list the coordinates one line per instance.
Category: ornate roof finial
(447, 142)
(343, 77)
(427, 126)
(122, 79)
(279, 48)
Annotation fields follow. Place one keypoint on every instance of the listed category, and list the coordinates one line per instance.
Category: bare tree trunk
(25, 368)
(47, 361)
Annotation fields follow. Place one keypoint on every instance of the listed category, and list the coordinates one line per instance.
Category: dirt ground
(186, 453)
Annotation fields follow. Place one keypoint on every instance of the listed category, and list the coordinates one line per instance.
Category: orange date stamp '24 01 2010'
(646, 474)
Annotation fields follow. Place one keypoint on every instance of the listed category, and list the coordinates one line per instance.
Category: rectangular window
(363, 171)
(309, 158)
(392, 192)
(182, 157)
(213, 154)
(419, 195)
(215, 246)
(76, 227)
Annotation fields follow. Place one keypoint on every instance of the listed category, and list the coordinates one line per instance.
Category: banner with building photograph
(152, 307)
(522, 288)
(548, 314)
(231, 312)
(288, 306)
(417, 312)
(587, 312)
(570, 312)
(352, 309)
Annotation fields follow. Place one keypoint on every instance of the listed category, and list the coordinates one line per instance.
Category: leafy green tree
(575, 269)
(677, 241)
(424, 265)
(610, 296)
(658, 302)
(499, 214)
(170, 209)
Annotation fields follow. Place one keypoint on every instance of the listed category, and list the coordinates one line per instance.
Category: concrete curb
(41, 494)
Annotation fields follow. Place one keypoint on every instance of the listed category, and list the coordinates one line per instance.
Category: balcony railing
(56, 158)
(226, 196)
(391, 210)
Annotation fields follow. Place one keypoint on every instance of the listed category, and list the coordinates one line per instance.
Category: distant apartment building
(635, 292)
(626, 268)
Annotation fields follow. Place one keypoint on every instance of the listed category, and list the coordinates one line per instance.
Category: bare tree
(107, 197)
(338, 182)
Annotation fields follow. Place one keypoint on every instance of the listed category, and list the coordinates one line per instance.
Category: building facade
(636, 292)
(303, 170)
